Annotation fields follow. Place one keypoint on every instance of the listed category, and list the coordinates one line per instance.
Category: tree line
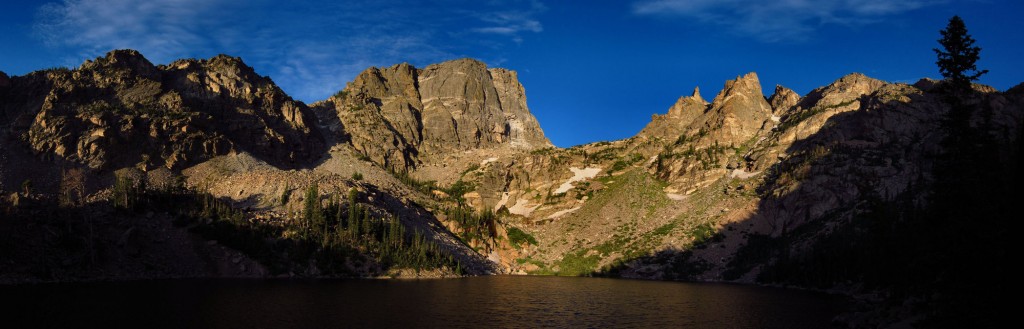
(335, 237)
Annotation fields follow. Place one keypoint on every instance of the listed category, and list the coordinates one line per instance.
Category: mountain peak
(124, 55)
(747, 84)
(855, 79)
(679, 116)
(220, 63)
(458, 65)
(383, 82)
(738, 112)
(122, 59)
(464, 60)
(688, 107)
(782, 99)
(696, 95)
(400, 116)
(226, 60)
(1015, 90)
(847, 88)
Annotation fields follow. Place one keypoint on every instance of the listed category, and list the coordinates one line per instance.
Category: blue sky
(593, 70)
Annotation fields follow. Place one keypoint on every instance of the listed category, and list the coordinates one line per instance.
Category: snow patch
(742, 174)
(522, 208)
(776, 118)
(578, 175)
(504, 200)
(560, 213)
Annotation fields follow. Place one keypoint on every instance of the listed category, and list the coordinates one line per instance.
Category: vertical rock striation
(400, 116)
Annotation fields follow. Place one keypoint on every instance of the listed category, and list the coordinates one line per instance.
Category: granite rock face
(813, 110)
(738, 112)
(378, 113)
(400, 116)
(846, 89)
(782, 100)
(678, 118)
(524, 130)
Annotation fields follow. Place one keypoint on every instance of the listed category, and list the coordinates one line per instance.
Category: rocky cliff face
(782, 100)
(733, 117)
(738, 112)
(379, 114)
(400, 116)
(679, 117)
(121, 110)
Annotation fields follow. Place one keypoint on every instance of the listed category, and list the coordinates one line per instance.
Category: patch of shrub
(517, 237)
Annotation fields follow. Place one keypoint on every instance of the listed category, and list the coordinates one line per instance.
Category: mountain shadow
(906, 200)
(144, 232)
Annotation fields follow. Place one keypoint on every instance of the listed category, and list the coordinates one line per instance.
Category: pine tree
(365, 225)
(312, 210)
(957, 60)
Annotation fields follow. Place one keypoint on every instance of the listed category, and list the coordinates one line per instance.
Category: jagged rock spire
(696, 95)
(782, 100)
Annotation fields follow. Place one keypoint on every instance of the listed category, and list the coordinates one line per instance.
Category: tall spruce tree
(958, 57)
(312, 210)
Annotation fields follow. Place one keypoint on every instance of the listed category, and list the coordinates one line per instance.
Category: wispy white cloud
(512, 23)
(311, 49)
(779, 20)
(157, 26)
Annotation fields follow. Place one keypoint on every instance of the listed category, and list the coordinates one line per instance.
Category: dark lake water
(490, 302)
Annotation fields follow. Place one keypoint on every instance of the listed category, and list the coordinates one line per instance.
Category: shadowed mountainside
(121, 110)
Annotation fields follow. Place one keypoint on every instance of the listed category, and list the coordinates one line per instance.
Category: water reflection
(471, 302)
